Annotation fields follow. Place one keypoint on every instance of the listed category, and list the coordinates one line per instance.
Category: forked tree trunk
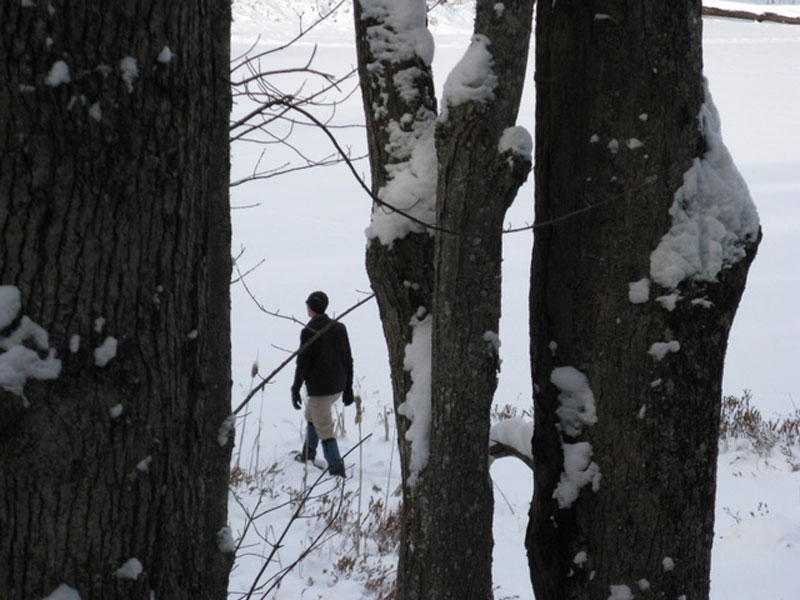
(114, 219)
(618, 98)
(446, 537)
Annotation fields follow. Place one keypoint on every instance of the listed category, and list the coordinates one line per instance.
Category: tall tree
(438, 287)
(114, 310)
(632, 300)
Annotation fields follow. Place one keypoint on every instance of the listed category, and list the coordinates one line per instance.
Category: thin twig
(565, 217)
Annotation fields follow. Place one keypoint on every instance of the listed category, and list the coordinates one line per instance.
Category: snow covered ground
(309, 228)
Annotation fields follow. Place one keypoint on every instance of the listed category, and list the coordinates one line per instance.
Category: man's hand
(347, 397)
(296, 400)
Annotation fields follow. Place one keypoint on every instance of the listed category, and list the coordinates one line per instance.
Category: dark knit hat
(318, 302)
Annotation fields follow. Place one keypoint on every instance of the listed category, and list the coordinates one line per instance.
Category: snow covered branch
(512, 437)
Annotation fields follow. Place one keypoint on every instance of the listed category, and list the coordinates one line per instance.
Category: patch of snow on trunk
(401, 31)
(713, 215)
(63, 592)
(411, 181)
(639, 291)
(577, 407)
(579, 471)
(18, 363)
(105, 352)
(59, 73)
(130, 570)
(417, 407)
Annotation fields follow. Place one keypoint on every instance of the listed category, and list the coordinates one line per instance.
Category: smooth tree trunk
(618, 99)
(115, 227)
(446, 534)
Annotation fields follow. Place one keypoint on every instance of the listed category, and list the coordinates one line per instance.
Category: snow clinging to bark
(59, 73)
(398, 34)
(577, 408)
(669, 301)
(96, 112)
(130, 570)
(417, 407)
(579, 471)
(18, 362)
(472, 79)
(410, 180)
(401, 31)
(129, 71)
(105, 351)
(620, 592)
(63, 592)
(576, 400)
(713, 216)
(226, 430)
(225, 541)
(165, 55)
(491, 338)
(660, 349)
(639, 291)
(10, 305)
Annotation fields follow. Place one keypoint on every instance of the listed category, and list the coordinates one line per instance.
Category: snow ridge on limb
(713, 215)
(472, 79)
(417, 406)
(401, 48)
(512, 437)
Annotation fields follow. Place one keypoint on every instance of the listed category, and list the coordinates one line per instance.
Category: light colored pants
(318, 413)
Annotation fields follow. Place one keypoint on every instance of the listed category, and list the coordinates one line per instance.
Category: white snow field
(309, 228)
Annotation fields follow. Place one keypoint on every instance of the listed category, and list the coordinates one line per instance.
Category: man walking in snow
(326, 367)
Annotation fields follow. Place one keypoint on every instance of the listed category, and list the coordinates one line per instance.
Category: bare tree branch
(500, 450)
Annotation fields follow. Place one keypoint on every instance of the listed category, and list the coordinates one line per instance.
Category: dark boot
(309, 451)
(331, 451)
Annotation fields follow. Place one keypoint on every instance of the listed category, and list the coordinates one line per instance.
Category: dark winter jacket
(326, 366)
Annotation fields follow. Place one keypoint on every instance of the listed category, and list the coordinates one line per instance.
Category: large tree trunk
(618, 99)
(114, 206)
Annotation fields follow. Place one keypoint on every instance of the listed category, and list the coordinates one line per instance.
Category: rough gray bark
(401, 275)
(655, 443)
(476, 186)
(114, 205)
(450, 509)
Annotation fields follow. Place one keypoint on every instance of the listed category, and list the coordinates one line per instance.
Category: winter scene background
(299, 534)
